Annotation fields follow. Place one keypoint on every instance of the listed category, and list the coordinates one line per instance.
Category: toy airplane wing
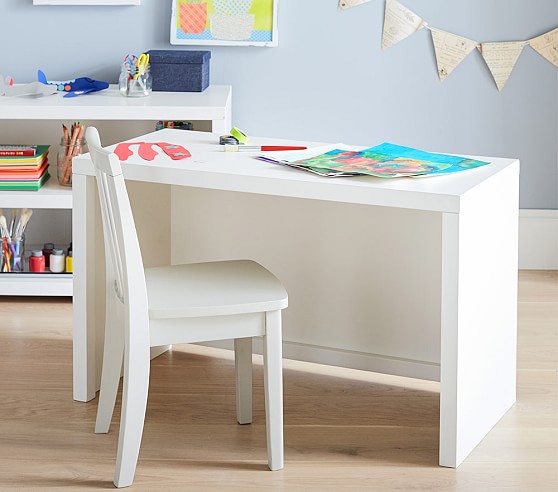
(34, 89)
(73, 88)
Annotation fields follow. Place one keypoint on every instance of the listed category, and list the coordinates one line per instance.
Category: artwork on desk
(382, 161)
(224, 22)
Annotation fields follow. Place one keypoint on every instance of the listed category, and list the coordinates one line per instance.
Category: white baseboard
(347, 358)
(538, 239)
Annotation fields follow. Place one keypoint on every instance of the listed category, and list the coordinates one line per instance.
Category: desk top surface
(211, 167)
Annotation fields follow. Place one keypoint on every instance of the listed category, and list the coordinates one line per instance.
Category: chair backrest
(124, 261)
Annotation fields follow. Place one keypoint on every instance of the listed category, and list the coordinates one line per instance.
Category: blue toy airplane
(75, 87)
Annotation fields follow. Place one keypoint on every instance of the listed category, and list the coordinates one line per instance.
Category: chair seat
(218, 288)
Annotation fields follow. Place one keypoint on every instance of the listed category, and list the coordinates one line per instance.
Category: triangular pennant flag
(347, 4)
(399, 23)
(450, 50)
(501, 58)
(547, 46)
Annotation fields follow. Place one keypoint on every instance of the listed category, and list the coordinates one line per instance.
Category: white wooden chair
(178, 304)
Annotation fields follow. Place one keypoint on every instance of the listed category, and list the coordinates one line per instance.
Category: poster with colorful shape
(224, 22)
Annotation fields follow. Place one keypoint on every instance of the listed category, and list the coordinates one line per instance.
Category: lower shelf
(36, 284)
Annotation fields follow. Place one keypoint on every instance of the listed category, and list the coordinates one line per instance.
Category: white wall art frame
(224, 22)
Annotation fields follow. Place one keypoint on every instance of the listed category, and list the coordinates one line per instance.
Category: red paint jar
(37, 261)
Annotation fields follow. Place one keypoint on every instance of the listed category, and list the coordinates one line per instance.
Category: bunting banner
(399, 23)
(547, 46)
(347, 4)
(450, 50)
(501, 59)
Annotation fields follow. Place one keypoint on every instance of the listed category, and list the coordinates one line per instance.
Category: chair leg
(112, 365)
(134, 403)
(243, 370)
(273, 383)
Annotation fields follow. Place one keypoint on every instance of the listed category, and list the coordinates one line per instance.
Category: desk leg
(479, 315)
(83, 242)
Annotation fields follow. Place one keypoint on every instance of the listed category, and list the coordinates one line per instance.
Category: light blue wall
(329, 80)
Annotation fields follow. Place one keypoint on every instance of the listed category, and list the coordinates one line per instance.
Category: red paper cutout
(175, 152)
(146, 151)
(123, 151)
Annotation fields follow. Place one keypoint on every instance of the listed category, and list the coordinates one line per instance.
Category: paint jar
(66, 152)
(135, 82)
(57, 261)
(69, 262)
(37, 261)
(47, 251)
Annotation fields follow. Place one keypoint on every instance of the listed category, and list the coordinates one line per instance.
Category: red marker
(261, 148)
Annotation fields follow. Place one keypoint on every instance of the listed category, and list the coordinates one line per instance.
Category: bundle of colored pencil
(73, 143)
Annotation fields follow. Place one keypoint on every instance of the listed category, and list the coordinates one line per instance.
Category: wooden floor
(344, 429)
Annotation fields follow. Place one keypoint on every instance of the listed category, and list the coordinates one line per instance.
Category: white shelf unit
(50, 196)
(213, 105)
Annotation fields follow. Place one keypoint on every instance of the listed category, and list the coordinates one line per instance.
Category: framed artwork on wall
(224, 22)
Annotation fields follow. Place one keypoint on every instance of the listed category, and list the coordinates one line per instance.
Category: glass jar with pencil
(72, 144)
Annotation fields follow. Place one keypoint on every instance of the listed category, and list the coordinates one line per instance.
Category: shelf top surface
(50, 195)
(108, 104)
(211, 167)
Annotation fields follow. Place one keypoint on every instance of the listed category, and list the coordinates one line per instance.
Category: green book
(32, 185)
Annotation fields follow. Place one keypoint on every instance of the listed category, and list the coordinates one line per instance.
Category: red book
(17, 150)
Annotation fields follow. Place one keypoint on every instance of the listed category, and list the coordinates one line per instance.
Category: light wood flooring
(344, 429)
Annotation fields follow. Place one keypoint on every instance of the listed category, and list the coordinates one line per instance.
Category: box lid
(178, 56)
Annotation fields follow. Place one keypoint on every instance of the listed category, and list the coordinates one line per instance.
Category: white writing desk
(469, 319)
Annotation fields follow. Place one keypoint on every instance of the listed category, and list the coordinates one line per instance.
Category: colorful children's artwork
(390, 161)
(383, 161)
(224, 22)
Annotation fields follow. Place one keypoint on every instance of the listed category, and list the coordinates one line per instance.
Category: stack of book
(23, 167)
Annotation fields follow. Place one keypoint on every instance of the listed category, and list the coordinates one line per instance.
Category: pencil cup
(66, 152)
(135, 82)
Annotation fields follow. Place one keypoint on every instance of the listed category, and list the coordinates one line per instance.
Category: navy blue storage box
(179, 70)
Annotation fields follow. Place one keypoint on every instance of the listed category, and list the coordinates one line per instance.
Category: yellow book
(23, 160)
